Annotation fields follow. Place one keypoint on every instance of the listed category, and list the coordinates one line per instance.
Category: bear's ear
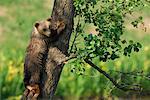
(60, 26)
(36, 24)
(49, 19)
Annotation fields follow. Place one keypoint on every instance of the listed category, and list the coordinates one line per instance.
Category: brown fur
(36, 52)
(42, 36)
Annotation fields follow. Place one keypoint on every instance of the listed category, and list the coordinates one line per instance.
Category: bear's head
(43, 27)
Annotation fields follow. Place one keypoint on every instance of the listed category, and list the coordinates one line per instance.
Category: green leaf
(139, 45)
(136, 49)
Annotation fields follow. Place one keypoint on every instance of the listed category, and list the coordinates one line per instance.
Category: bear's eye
(44, 29)
(37, 24)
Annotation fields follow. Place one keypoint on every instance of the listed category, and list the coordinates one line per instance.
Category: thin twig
(76, 35)
(133, 74)
(109, 77)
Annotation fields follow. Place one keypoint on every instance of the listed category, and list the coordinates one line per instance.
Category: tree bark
(63, 9)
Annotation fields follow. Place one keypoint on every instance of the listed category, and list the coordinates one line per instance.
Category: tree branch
(110, 78)
(76, 35)
(64, 60)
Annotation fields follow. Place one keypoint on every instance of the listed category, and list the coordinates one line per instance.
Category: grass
(16, 20)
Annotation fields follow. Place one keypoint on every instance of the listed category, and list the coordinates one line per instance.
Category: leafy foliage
(108, 18)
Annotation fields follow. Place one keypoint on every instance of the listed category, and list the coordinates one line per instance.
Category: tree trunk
(63, 9)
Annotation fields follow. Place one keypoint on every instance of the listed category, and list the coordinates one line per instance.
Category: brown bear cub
(36, 54)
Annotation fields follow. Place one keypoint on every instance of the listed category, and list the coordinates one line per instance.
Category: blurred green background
(16, 21)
